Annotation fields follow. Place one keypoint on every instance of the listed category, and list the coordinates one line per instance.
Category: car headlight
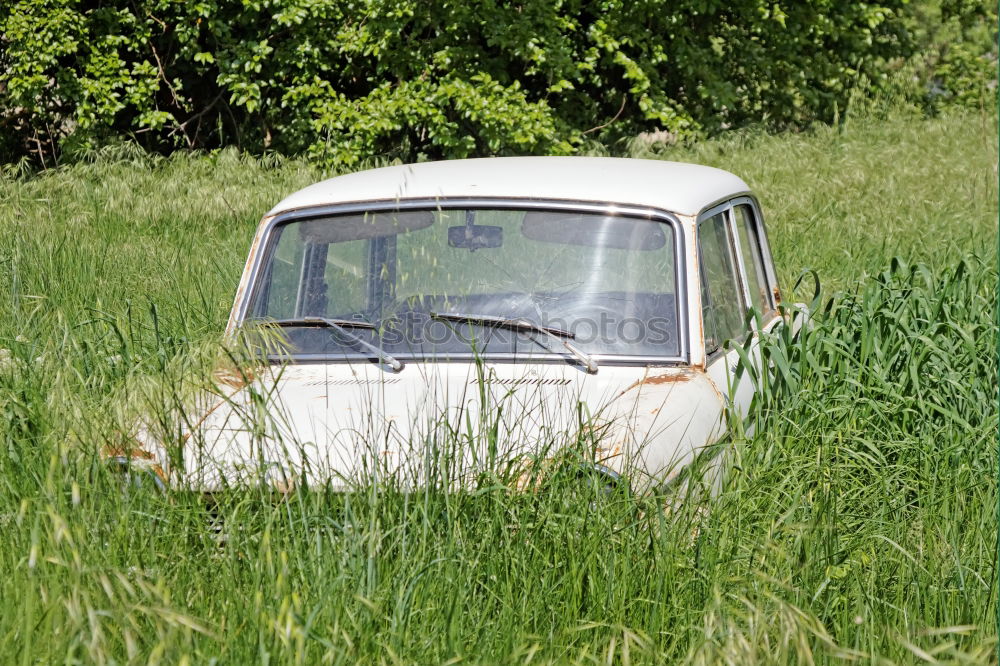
(279, 477)
(138, 472)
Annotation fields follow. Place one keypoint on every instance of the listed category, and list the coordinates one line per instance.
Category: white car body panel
(345, 424)
(684, 189)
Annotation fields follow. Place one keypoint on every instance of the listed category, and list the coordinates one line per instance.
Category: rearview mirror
(474, 237)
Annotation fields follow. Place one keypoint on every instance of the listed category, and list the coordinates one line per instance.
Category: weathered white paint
(672, 186)
(350, 422)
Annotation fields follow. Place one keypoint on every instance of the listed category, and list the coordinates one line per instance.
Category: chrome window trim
(716, 206)
(726, 208)
(654, 214)
(741, 269)
(758, 219)
(729, 206)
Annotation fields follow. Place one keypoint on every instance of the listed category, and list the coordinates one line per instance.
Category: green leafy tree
(346, 80)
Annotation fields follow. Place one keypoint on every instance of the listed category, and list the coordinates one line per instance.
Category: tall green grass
(857, 523)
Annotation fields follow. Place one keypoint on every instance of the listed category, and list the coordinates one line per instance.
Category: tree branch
(620, 109)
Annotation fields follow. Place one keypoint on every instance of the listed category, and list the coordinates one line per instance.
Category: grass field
(860, 525)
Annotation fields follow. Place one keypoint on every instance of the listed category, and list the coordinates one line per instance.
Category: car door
(736, 276)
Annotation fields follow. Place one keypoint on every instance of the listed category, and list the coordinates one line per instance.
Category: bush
(412, 79)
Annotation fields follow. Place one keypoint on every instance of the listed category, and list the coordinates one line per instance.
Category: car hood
(349, 423)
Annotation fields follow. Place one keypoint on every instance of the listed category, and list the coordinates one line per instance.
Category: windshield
(606, 282)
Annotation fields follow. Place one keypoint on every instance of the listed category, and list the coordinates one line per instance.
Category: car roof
(677, 187)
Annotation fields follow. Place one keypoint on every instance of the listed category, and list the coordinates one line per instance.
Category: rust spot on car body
(595, 431)
(604, 454)
(670, 378)
(777, 296)
(125, 452)
(135, 454)
(718, 394)
(233, 377)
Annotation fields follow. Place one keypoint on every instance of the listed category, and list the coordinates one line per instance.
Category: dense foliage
(345, 80)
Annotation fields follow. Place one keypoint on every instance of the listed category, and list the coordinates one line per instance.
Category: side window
(285, 272)
(753, 261)
(344, 274)
(722, 306)
(308, 278)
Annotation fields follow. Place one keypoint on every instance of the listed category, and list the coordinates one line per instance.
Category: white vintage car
(438, 321)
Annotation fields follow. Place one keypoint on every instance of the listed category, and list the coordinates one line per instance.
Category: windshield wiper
(341, 326)
(522, 324)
